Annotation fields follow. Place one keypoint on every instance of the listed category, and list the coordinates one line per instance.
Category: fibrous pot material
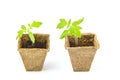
(82, 56)
(33, 58)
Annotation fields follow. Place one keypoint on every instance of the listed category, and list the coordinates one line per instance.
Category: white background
(101, 17)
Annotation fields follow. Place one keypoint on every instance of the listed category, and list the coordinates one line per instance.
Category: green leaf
(78, 34)
(71, 31)
(20, 33)
(64, 34)
(36, 24)
(31, 36)
(23, 28)
(77, 27)
(75, 31)
(78, 21)
(69, 22)
(62, 23)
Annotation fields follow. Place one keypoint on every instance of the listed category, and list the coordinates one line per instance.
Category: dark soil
(37, 44)
(85, 40)
(40, 42)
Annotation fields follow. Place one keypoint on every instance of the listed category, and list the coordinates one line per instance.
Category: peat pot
(82, 54)
(33, 55)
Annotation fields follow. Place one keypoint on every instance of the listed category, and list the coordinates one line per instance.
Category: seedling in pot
(72, 29)
(27, 30)
(33, 48)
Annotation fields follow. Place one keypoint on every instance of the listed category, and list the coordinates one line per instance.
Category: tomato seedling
(27, 30)
(71, 28)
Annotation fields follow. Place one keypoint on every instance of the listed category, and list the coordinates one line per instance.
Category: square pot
(33, 58)
(82, 55)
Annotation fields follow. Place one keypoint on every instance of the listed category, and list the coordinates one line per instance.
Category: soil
(85, 40)
(40, 42)
(37, 44)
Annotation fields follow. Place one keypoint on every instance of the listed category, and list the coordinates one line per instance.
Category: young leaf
(36, 24)
(31, 36)
(64, 34)
(78, 22)
(75, 30)
(69, 22)
(78, 34)
(62, 23)
(23, 28)
(72, 30)
(20, 33)
(77, 27)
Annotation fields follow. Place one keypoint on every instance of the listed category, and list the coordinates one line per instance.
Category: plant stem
(76, 41)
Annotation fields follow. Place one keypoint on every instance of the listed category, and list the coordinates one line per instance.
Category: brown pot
(82, 55)
(33, 58)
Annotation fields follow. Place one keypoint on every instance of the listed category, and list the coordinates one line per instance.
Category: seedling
(71, 28)
(27, 30)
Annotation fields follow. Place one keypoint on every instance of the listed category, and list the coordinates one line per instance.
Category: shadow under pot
(82, 54)
(33, 55)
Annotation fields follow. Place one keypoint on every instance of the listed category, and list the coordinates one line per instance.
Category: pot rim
(96, 43)
(48, 43)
